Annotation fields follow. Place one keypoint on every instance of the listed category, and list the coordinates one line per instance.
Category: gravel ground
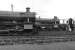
(40, 42)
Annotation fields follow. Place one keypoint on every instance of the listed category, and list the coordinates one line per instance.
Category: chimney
(27, 9)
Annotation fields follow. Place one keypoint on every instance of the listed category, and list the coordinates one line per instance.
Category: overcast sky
(44, 8)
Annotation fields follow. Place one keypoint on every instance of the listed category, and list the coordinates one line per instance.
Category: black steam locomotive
(17, 22)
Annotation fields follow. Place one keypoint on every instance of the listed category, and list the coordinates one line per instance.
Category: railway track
(16, 40)
(41, 38)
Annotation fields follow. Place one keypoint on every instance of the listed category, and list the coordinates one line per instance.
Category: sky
(63, 9)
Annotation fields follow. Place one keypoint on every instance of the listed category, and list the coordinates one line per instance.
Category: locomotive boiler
(17, 22)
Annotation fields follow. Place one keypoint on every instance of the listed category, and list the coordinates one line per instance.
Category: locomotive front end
(29, 21)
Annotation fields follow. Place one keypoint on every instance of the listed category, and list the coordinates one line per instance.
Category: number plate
(55, 26)
(28, 26)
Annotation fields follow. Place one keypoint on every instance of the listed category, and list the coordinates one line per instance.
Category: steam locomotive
(17, 22)
(14, 23)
